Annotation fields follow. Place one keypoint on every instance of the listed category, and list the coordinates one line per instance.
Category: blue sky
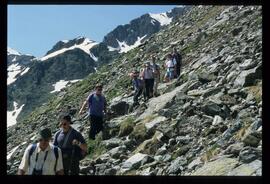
(34, 29)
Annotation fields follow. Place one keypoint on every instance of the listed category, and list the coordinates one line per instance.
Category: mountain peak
(13, 52)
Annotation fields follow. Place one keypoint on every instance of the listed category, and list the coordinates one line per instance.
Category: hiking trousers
(137, 94)
(96, 125)
(149, 87)
(74, 166)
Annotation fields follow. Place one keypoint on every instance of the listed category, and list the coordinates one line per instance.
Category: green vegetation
(126, 126)
(211, 152)
(95, 148)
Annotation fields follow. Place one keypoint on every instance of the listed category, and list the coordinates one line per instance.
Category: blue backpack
(33, 148)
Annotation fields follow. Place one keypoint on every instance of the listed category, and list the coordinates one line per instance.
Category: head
(44, 138)
(98, 89)
(147, 64)
(169, 56)
(65, 122)
(174, 50)
(134, 74)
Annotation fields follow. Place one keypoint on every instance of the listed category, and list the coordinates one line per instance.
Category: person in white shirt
(42, 159)
(170, 65)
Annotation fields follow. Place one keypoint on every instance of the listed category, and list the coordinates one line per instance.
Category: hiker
(137, 85)
(42, 158)
(170, 66)
(97, 107)
(178, 59)
(148, 77)
(156, 71)
(72, 145)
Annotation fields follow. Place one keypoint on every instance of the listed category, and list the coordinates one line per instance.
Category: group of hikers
(146, 81)
(61, 154)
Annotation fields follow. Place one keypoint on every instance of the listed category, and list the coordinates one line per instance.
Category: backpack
(33, 148)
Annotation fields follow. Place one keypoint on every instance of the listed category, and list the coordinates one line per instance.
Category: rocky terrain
(206, 122)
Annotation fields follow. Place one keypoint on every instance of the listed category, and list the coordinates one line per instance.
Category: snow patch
(86, 45)
(93, 57)
(10, 154)
(112, 48)
(12, 115)
(64, 41)
(162, 18)
(12, 51)
(13, 71)
(125, 48)
(14, 59)
(25, 71)
(62, 84)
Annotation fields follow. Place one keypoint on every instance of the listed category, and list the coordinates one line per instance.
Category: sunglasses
(99, 89)
(63, 124)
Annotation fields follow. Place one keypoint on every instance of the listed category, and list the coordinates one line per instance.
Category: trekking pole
(71, 160)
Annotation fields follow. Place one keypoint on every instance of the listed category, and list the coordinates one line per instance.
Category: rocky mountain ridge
(207, 122)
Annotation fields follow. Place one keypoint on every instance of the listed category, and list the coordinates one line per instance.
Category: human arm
(59, 166)
(24, 163)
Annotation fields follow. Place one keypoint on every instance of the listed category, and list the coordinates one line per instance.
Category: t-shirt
(148, 73)
(67, 148)
(48, 166)
(96, 104)
(170, 63)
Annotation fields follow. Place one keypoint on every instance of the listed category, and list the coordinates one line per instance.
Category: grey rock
(254, 167)
(183, 140)
(248, 77)
(252, 139)
(134, 162)
(192, 165)
(112, 143)
(177, 165)
(217, 120)
(247, 64)
(218, 167)
(249, 154)
(120, 108)
(234, 149)
(116, 152)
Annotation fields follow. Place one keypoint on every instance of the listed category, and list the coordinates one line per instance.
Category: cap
(45, 133)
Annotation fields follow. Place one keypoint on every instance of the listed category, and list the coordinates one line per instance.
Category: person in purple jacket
(96, 108)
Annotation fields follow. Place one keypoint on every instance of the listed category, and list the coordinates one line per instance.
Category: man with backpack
(42, 158)
(138, 87)
(178, 59)
(72, 145)
(97, 107)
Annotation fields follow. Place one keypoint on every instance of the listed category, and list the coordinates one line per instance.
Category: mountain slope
(207, 122)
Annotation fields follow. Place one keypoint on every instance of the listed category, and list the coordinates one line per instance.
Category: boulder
(234, 149)
(134, 162)
(177, 165)
(249, 154)
(247, 169)
(120, 108)
(218, 167)
(252, 139)
(217, 120)
(248, 77)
